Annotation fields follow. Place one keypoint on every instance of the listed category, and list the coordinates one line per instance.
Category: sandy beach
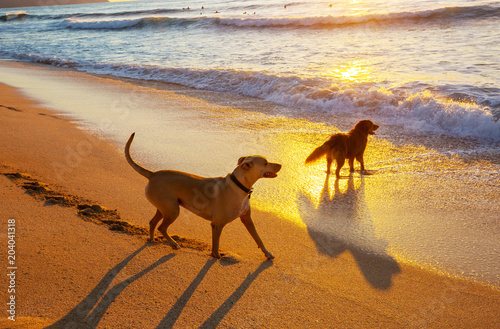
(82, 259)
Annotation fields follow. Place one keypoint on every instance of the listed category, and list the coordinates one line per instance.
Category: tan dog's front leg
(216, 232)
(247, 221)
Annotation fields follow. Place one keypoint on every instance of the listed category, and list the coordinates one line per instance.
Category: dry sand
(79, 266)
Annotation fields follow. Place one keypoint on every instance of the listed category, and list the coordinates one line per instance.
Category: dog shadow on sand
(343, 223)
(214, 320)
(90, 311)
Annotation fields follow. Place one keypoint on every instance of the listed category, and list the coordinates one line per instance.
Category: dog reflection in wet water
(219, 200)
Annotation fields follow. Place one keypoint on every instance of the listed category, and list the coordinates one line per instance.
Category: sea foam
(417, 111)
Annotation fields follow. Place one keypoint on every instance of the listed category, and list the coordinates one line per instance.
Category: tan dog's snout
(273, 170)
(267, 169)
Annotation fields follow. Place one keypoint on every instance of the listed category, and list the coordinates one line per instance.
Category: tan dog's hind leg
(170, 214)
(152, 224)
(246, 219)
(216, 232)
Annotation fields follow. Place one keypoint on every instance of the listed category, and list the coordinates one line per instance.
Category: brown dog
(219, 200)
(345, 146)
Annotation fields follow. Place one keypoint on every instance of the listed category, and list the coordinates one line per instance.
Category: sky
(30, 3)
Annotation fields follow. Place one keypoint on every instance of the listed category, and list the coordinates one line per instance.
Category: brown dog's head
(260, 167)
(366, 126)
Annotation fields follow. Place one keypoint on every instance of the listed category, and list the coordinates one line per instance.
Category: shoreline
(186, 288)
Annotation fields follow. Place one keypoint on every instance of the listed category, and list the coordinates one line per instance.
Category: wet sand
(80, 265)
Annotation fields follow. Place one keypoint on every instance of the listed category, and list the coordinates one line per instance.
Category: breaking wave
(417, 110)
(158, 18)
(13, 16)
(421, 17)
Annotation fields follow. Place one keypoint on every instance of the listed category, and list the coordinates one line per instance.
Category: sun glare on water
(354, 71)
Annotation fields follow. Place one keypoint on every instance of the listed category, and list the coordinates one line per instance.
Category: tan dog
(219, 200)
(345, 146)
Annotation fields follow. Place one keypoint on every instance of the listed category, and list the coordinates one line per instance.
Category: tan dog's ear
(246, 165)
(240, 160)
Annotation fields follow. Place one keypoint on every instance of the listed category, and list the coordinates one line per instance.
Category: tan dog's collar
(241, 186)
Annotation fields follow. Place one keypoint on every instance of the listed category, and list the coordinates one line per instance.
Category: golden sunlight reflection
(296, 178)
(290, 141)
(354, 71)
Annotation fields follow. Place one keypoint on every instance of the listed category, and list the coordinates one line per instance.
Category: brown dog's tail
(318, 153)
(143, 171)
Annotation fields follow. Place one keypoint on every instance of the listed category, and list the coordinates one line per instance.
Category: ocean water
(428, 66)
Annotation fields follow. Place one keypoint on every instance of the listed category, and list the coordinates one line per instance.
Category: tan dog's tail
(143, 171)
(318, 153)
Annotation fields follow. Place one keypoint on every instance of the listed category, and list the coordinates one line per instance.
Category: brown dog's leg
(247, 221)
(340, 164)
(351, 164)
(152, 224)
(216, 232)
(329, 160)
(361, 162)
